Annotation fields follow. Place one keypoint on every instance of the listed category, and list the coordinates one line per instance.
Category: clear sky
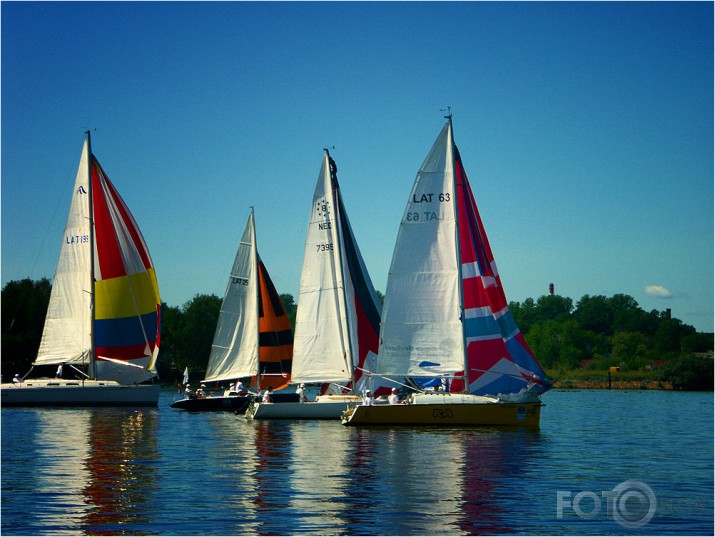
(586, 130)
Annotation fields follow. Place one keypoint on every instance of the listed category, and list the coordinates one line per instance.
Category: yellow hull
(497, 413)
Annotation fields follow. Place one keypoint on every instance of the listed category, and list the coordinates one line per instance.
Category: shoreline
(578, 384)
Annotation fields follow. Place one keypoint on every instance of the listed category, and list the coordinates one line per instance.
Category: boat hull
(487, 414)
(236, 403)
(78, 393)
(324, 408)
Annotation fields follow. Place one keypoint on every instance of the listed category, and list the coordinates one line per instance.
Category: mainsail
(114, 319)
(253, 336)
(338, 316)
(445, 308)
(421, 331)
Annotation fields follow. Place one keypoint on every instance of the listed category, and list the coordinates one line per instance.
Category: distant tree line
(596, 333)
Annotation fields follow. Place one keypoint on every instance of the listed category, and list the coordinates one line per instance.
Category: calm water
(168, 472)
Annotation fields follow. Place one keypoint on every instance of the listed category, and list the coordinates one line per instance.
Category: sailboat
(338, 317)
(253, 339)
(103, 320)
(446, 316)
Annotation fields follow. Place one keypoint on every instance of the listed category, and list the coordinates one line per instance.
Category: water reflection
(60, 446)
(86, 470)
(120, 469)
(321, 478)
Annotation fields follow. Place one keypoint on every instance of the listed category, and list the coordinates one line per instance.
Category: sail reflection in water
(120, 467)
(88, 467)
(333, 480)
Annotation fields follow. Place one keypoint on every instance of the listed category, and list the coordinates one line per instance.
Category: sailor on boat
(301, 393)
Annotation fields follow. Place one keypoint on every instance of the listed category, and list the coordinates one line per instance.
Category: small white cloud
(658, 291)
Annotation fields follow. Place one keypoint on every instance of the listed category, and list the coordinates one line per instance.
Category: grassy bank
(598, 380)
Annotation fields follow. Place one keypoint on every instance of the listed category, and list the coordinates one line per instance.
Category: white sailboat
(446, 315)
(338, 316)
(103, 319)
(253, 339)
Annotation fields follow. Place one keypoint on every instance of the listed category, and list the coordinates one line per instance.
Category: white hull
(57, 392)
(325, 407)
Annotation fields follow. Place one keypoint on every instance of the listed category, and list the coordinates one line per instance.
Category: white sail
(67, 333)
(234, 353)
(421, 332)
(321, 351)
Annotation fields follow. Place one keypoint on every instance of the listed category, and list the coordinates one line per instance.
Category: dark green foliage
(697, 342)
(196, 332)
(688, 372)
(291, 308)
(24, 306)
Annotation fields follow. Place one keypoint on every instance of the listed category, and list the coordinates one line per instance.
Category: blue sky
(586, 130)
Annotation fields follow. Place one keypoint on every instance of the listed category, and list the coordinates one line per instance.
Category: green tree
(669, 334)
(697, 342)
(594, 313)
(291, 308)
(171, 323)
(24, 306)
(688, 372)
(195, 335)
(553, 307)
(525, 314)
(556, 344)
(630, 348)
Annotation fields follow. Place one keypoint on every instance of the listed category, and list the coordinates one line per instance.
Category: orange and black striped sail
(275, 338)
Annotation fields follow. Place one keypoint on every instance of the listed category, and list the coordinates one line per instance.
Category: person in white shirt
(17, 379)
(301, 393)
(393, 399)
(267, 395)
(239, 388)
(368, 399)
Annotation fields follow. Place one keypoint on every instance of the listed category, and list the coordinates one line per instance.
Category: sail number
(77, 239)
(443, 197)
(426, 216)
(324, 247)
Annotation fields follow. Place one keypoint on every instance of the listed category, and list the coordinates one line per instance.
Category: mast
(258, 302)
(90, 158)
(455, 201)
(339, 250)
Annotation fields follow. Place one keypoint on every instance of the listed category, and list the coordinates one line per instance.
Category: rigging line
(373, 374)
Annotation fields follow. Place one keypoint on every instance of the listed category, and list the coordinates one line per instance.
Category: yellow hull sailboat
(445, 321)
